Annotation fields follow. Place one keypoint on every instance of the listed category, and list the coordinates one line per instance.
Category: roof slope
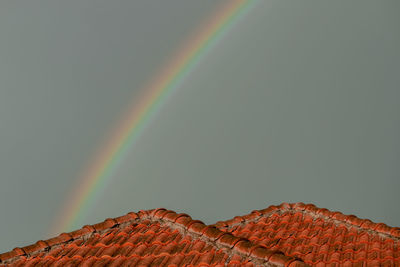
(147, 238)
(319, 237)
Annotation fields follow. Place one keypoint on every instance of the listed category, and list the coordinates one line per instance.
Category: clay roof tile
(171, 216)
(291, 234)
(146, 237)
(213, 233)
(58, 239)
(314, 235)
(183, 220)
(133, 215)
(19, 251)
(197, 227)
(181, 215)
(89, 228)
(261, 252)
(141, 214)
(8, 255)
(228, 240)
(31, 248)
(243, 245)
(104, 225)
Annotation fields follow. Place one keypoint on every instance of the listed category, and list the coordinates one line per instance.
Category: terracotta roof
(284, 235)
(147, 238)
(318, 236)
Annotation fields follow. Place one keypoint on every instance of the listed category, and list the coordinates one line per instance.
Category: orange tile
(287, 235)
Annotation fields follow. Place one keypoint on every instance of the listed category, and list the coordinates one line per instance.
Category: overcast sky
(300, 101)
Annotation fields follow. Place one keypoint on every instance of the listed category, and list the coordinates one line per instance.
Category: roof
(285, 235)
(318, 236)
(147, 238)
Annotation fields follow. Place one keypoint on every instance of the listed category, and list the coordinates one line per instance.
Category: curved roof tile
(318, 236)
(151, 238)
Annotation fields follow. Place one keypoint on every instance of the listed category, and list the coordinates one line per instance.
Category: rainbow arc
(155, 94)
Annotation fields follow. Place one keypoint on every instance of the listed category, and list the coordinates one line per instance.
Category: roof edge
(351, 220)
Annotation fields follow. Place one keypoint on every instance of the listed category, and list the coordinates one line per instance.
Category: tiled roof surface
(147, 238)
(319, 237)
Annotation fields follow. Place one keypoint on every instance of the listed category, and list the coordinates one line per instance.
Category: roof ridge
(68, 237)
(351, 220)
(196, 228)
(227, 241)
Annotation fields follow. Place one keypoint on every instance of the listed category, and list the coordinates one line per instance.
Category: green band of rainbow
(93, 181)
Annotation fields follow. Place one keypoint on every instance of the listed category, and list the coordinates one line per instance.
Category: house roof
(147, 238)
(285, 235)
(318, 236)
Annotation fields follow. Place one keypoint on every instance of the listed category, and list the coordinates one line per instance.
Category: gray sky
(300, 101)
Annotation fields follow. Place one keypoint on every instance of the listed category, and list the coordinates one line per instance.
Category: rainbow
(171, 76)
